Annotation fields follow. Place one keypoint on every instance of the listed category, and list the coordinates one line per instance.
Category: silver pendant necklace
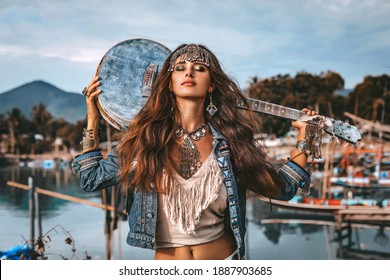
(189, 155)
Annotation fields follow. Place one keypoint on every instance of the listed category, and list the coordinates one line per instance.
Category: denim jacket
(97, 173)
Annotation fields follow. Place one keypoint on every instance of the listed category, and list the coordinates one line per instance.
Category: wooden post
(113, 218)
(38, 213)
(32, 211)
(327, 173)
(107, 224)
(109, 216)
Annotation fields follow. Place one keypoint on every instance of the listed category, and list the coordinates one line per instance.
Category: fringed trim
(186, 199)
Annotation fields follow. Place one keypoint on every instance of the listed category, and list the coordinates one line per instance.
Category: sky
(63, 41)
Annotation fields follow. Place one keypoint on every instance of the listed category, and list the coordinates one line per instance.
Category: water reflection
(276, 234)
(273, 232)
(381, 237)
(363, 240)
(57, 179)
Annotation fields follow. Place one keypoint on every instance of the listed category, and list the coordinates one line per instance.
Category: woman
(187, 160)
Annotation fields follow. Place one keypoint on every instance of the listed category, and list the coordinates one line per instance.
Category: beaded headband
(191, 53)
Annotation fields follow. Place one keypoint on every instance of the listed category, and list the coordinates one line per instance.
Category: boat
(323, 205)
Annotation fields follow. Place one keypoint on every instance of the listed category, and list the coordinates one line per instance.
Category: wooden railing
(60, 195)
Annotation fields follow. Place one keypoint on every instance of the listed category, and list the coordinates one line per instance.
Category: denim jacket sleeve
(96, 173)
(294, 177)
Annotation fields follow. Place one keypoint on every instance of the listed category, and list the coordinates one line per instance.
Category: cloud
(10, 50)
(251, 37)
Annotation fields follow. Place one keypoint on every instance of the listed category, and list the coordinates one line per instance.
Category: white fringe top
(193, 209)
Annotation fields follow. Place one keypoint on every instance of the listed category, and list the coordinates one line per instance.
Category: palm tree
(42, 118)
(368, 99)
(330, 82)
(3, 124)
(14, 119)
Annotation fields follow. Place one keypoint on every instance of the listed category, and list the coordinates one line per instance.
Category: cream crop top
(193, 210)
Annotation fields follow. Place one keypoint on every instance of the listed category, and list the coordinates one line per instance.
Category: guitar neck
(340, 129)
(271, 109)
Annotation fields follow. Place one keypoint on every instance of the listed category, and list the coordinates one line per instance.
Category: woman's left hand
(298, 156)
(302, 125)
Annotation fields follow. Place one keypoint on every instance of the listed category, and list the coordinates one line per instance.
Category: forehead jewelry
(189, 155)
(191, 53)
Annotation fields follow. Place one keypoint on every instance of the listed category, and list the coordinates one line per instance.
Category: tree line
(39, 133)
(368, 100)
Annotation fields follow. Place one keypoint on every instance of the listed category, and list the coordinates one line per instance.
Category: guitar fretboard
(271, 109)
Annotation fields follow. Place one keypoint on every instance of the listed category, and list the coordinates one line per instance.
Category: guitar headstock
(343, 130)
(337, 128)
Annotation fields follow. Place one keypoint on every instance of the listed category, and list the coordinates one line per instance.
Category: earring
(211, 108)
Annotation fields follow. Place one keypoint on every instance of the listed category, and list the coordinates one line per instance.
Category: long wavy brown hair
(144, 151)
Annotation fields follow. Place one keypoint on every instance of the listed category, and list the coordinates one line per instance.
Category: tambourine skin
(127, 72)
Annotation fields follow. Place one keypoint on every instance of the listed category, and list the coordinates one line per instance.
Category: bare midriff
(218, 249)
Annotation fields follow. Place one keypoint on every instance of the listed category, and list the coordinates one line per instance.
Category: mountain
(61, 104)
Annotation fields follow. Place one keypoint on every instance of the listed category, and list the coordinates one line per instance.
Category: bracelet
(88, 133)
(301, 145)
(87, 143)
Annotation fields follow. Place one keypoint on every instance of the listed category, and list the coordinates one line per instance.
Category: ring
(84, 91)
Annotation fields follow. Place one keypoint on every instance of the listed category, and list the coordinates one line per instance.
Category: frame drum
(127, 72)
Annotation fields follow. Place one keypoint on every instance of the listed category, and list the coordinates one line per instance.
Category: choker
(189, 155)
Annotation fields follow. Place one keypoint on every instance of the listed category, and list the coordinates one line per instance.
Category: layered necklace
(189, 155)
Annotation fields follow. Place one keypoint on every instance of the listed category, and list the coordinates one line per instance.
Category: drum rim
(99, 104)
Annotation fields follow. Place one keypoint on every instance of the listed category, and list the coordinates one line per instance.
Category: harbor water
(278, 235)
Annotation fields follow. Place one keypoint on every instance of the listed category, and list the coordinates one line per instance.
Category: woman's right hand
(93, 115)
(92, 92)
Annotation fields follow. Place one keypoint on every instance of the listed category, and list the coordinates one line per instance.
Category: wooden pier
(378, 215)
(346, 218)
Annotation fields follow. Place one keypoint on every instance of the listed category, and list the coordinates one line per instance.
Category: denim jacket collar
(216, 134)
